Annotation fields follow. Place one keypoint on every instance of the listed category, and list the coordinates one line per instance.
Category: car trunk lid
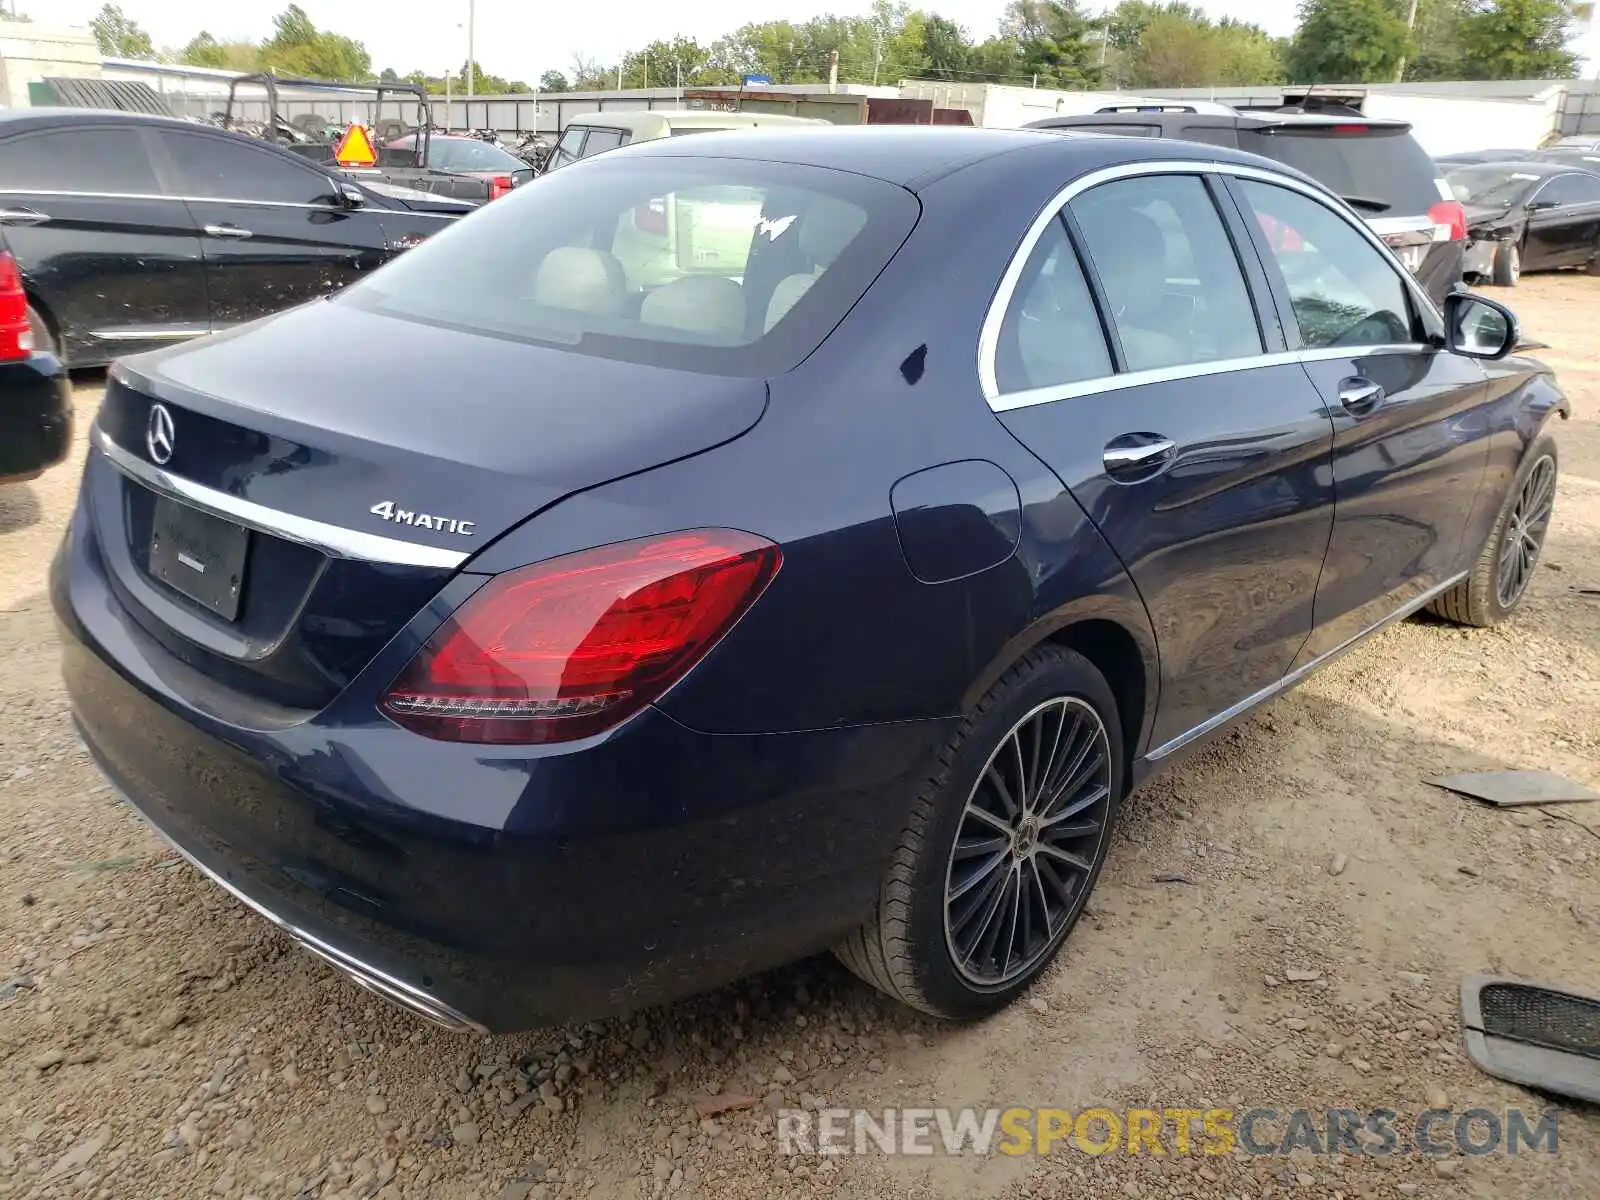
(368, 457)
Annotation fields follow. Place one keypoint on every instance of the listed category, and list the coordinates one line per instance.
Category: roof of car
(1249, 118)
(12, 119)
(1527, 167)
(687, 118)
(916, 155)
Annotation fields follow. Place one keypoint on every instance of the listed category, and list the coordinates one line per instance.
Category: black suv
(1377, 166)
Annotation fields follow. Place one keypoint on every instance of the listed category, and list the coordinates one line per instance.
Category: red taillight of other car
(500, 185)
(651, 217)
(571, 647)
(16, 337)
(1449, 221)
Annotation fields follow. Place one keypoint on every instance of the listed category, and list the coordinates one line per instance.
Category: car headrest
(581, 280)
(697, 304)
(786, 295)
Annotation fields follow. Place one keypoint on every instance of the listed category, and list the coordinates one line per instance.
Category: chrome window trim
(334, 540)
(5, 191)
(989, 335)
(143, 335)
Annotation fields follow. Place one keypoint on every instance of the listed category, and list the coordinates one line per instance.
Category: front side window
(1570, 189)
(1051, 334)
(220, 168)
(1176, 292)
(724, 266)
(1343, 291)
(569, 147)
(109, 160)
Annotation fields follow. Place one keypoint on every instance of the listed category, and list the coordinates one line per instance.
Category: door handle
(227, 231)
(1138, 455)
(22, 216)
(1360, 396)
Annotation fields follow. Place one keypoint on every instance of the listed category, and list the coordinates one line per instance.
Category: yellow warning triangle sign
(355, 148)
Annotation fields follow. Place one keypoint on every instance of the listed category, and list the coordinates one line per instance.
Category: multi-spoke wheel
(1523, 538)
(1505, 567)
(1002, 845)
(1027, 842)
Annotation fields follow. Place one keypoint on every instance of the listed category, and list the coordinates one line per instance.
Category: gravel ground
(1319, 909)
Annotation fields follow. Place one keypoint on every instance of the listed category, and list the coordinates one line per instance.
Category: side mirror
(351, 196)
(1480, 327)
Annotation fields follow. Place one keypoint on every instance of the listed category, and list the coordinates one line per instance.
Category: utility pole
(472, 13)
(1411, 26)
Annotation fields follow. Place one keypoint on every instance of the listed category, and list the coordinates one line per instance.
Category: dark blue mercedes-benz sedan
(743, 545)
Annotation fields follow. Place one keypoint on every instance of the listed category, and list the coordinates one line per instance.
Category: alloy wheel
(1524, 533)
(1027, 843)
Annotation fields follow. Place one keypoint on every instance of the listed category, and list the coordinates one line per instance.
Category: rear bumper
(35, 416)
(496, 888)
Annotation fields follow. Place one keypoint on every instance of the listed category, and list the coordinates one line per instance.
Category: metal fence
(545, 112)
(1580, 108)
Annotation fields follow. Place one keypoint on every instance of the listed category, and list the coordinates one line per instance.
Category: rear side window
(722, 266)
(1386, 167)
(1050, 335)
(601, 140)
(1117, 128)
(80, 160)
(1173, 282)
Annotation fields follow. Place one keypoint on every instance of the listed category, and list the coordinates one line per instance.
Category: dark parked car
(134, 230)
(468, 156)
(1375, 166)
(1448, 162)
(615, 634)
(1528, 216)
(35, 399)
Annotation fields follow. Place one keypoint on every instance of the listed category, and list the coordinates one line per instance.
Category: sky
(518, 40)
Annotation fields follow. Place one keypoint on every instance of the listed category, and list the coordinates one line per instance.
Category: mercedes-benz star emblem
(159, 435)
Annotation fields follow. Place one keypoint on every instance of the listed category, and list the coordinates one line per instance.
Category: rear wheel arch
(1126, 658)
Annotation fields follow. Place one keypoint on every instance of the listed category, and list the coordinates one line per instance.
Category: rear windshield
(1387, 167)
(723, 266)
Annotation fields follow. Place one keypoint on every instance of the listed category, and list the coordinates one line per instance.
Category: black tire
(1480, 600)
(907, 947)
(1507, 264)
(43, 338)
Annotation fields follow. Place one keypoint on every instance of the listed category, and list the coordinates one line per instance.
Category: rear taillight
(1449, 221)
(16, 337)
(571, 647)
(651, 217)
(500, 185)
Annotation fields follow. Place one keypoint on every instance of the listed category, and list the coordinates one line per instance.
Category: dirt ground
(156, 1039)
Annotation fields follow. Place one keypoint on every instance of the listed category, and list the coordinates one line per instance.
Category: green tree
(554, 81)
(298, 47)
(1347, 41)
(1437, 36)
(945, 47)
(1051, 42)
(1518, 39)
(203, 50)
(119, 37)
(1181, 47)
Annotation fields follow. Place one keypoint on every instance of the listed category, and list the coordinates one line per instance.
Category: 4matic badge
(404, 516)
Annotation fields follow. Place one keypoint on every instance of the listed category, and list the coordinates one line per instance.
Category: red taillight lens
(16, 338)
(499, 186)
(651, 217)
(570, 647)
(1448, 214)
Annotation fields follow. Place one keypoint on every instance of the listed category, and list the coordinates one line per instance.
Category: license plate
(199, 555)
